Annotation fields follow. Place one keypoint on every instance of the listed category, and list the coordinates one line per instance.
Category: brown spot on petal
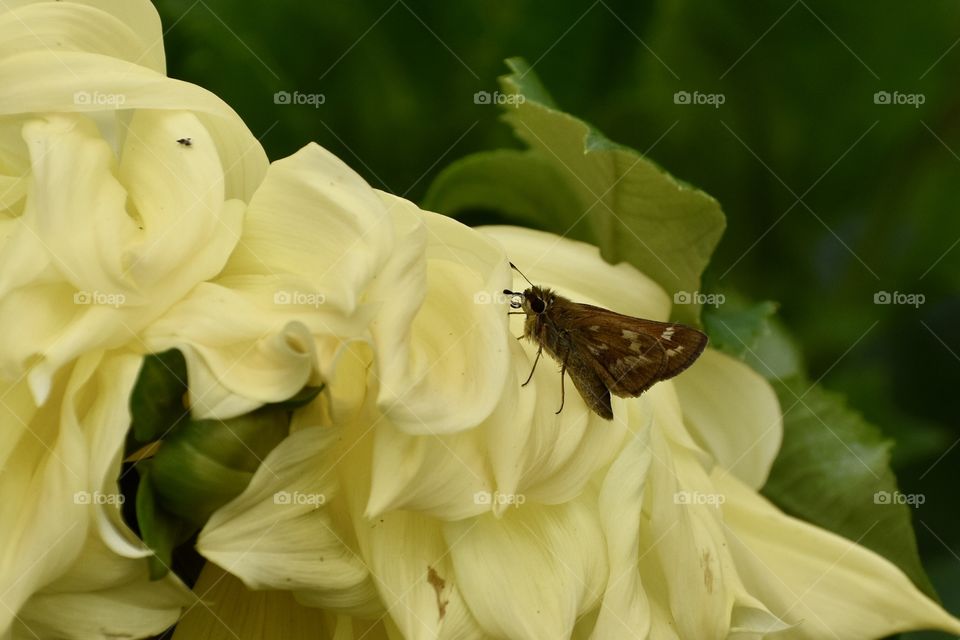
(707, 570)
(438, 584)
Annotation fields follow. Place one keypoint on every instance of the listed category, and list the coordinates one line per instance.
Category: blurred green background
(832, 192)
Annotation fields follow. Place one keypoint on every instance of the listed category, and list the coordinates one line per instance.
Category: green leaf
(575, 182)
(156, 404)
(736, 328)
(833, 470)
(522, 186)
(160, 530)
(204, 464)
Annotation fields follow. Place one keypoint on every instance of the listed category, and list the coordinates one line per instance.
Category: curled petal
(126, 29)
(576, 270)
(733, 413)
(827, 585)
(624, 608)
(450, 373)
(228, 610)
(291, 497)
(531, 573)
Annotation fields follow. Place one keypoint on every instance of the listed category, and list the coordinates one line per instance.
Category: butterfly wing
(632, 354)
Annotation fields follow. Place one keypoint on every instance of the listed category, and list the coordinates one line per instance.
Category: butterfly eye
(537, 305)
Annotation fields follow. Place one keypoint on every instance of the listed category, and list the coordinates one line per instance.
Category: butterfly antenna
(514, 267)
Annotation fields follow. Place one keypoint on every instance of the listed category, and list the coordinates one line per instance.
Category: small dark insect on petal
(186, 142)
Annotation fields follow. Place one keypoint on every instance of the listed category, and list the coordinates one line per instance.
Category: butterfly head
(533, 301)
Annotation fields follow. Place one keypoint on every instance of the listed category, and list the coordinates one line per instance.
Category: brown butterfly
(604, 352)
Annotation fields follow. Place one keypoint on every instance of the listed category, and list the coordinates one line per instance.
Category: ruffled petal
(42, 82)
(315, 218)
(445, 475)
(531, 573)
(103, 596)
(828, 585)
(625, 609)
(59, 464)
(228, 610)
(126, 29)
(316, 239)
(279, 533)
(733, 413)
(408, 558)
(105, 265)
(449, 375)
(576, 270)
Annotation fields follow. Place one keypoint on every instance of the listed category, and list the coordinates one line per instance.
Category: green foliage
(199, 465)
(612, 196)
(834, 470)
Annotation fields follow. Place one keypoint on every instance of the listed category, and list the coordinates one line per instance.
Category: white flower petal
(55, 458)
(228, 610)
(103, 596)
(238, 355)
(576, 270)
(128, 29)
(451, 374)
(437, 475)
(687, 544)
(538, 453)
(625, 609)
(104, 255)
(409, 561)
(531, 573)
(733, 413)
(315, 217)
(830, 586)
(69, 81)
(290, 498)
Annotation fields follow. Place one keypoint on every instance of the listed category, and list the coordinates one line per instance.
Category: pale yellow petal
(450, 375)
(625, 610)
(828, 585)
(575, 269)
(126, 29)
(315, 217)
(733, 413)
(279, 533)
(40, 82)
(227, 610)
(531, 573)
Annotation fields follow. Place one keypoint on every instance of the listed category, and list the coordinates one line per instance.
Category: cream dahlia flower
(426, 494)
(105, 221)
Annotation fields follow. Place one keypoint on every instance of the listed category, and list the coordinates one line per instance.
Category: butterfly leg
(563, 371)
(534, 368)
